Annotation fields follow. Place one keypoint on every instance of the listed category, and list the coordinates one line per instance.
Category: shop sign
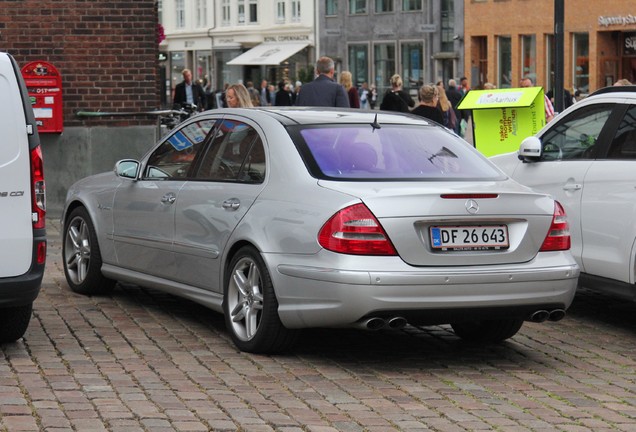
(286, 38)
(617, 20)
(629, 43)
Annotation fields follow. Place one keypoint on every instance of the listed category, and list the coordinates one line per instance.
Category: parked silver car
(284, 219)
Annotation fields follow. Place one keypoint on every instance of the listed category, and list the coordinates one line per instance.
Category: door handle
(572, 187)
(169, 198)
(231, 204)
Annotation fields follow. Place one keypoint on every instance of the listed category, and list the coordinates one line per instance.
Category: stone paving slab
(141, 360)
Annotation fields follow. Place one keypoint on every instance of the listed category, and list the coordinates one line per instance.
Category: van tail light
(38, 189)
(354, 230)
(558, 237)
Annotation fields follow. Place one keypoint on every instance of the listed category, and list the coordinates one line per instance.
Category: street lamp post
(559, 18)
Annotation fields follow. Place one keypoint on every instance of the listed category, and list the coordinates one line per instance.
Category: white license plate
(469, 238)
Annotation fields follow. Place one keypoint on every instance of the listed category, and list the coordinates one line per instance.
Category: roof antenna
(375, 125)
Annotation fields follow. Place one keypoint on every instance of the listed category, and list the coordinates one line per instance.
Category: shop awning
(268, 54)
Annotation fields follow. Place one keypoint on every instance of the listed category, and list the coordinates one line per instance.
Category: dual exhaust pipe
(377, 323)
(396, 323)
(545, 315)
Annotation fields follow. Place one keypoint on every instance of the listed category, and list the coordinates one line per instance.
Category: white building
(228, 41)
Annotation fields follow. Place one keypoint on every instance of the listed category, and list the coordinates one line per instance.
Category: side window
(235, 154)
(173, 159)
(624, 143)
(575, 137)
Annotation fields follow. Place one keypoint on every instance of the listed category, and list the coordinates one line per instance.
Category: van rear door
(16, 227)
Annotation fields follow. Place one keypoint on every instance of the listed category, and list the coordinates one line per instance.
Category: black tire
(487, 331)
(251, 307)
(82, 257)
(14, 322)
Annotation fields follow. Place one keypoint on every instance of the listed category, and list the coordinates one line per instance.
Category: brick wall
(106, 52)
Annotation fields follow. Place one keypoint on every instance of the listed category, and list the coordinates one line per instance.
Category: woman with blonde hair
(448, 113)
(396, 99)
(346, 79)
(237, 96)
(428, 107)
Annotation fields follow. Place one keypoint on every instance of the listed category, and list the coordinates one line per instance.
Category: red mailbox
(44, 84)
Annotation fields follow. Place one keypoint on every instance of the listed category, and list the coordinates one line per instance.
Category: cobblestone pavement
(140, 360)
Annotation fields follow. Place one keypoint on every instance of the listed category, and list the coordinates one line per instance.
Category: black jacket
(396, 100)
(198, 94)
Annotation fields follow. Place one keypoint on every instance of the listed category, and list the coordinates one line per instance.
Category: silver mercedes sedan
(283, 219)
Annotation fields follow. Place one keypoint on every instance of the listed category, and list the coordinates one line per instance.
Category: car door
(229, 177)
(608, 206)
(568, 150)
(144, 209)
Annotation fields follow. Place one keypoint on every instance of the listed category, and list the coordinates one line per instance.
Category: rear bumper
(337, 296)
(24, 289)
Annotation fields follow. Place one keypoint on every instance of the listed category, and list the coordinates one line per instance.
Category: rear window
(391, 152)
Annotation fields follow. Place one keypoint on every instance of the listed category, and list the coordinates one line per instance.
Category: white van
(22, 204)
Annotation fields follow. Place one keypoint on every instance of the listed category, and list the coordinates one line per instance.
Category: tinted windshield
(390, 152)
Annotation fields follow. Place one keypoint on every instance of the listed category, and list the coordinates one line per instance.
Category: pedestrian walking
(373, 96)
(237, 96)
(364, 96)
(284, 96)
(346, 80)
(189, 92)
(323, 90)
(429, 97)
(396, 99)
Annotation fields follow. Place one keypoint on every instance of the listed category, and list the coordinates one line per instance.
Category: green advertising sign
(502, 118)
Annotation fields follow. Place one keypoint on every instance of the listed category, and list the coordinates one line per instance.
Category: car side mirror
(127, 168)
(530, 149)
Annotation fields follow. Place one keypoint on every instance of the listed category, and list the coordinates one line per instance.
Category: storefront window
(528, 57)
(177, 65)
(581, 79)
(359, 63)
(504, 53)
(204, 63)
(384, 65)
(412, 64)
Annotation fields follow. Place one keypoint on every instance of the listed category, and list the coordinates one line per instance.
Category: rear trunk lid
(457, 223)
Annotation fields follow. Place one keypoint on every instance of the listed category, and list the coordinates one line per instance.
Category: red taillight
(354, 230)
(38, 189)
(558, 237)
(41, 252)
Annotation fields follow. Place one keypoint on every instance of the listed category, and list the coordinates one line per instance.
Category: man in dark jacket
(454, 97)
(323, 91)
(188, 92)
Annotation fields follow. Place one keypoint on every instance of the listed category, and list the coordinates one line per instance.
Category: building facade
(422, 40)
(599, 42)
(106, 56)
(229, 41)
